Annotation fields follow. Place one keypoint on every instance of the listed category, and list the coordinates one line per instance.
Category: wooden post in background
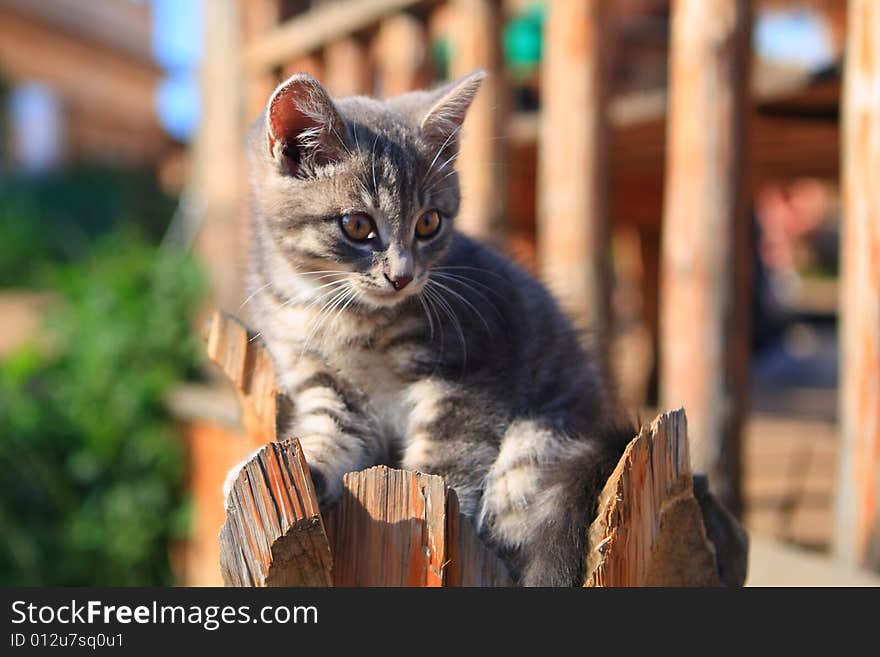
(217, 162)
(857, 521)
(477, 44)
(705, 265)
(347, 68)
(258, 17)
(401, 50)
(572, 230)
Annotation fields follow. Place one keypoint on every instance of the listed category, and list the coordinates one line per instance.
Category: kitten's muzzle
(399, 282)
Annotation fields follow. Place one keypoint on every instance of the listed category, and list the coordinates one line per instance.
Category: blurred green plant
(90, 464)
(57, 217)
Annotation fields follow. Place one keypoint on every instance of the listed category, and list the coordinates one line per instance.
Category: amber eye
(358, 227)
(428, 224)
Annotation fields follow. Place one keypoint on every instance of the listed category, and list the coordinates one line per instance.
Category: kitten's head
(357, 193)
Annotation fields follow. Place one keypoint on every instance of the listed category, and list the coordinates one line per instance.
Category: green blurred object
(441, 55)
(91, 486)
(57, 217)
(523, 39)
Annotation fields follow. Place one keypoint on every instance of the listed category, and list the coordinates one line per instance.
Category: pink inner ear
(286, 120)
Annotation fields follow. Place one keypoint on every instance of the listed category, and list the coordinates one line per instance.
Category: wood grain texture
(706, 258)
(857, 523)
(649, 530)
(397, 528)
(389, 529)
(273, 534)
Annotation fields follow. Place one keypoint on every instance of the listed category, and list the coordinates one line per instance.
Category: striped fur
(471, 371)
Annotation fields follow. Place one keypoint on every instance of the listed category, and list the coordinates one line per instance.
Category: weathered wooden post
(477, 44)
(857, 522)
(217, 158)
(704, 337)
(572, 230)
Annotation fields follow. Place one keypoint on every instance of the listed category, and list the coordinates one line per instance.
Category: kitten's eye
(428, 224)
(358, 227)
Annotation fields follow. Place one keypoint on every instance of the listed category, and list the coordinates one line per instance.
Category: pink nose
(399, 282)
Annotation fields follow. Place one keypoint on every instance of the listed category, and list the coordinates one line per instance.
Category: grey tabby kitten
(401, 341)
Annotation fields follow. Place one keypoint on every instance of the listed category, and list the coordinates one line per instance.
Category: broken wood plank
(649, 529)
(274, 534)
(389, 529)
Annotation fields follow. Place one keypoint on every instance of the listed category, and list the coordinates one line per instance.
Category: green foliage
(57, 217)
(90, 490)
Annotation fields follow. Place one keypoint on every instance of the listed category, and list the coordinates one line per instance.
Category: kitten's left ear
(442, 122)
(303, 125)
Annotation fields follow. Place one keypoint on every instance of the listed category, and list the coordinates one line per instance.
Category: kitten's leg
(450, 433)
(332, 421)
(539, 499)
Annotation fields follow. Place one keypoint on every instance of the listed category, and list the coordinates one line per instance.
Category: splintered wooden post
(273, 534)
(477, 44)
(649, 529)
(704, 335)
(398, 528)
(857, 521)
(572, 231)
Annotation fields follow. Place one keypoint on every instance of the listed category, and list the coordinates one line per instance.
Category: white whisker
(443, 304)
(468, 284)
(465, 301)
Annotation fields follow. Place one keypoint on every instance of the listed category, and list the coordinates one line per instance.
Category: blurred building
(80, 83)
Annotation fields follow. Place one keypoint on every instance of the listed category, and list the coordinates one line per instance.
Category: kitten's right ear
(303, 126)
(443, 120)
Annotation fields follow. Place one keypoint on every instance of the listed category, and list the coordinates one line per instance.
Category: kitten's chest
(385, 390)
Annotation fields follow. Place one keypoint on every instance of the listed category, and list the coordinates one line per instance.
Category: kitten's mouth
(387, 297)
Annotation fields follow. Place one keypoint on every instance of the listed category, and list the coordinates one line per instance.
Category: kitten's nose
(399, 282)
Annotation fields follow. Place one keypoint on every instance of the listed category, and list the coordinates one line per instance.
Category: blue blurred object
(795, 36)
(178, 104)
(177, 47)
(37, 127)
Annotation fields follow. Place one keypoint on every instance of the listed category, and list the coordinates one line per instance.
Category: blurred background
(123, 221)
